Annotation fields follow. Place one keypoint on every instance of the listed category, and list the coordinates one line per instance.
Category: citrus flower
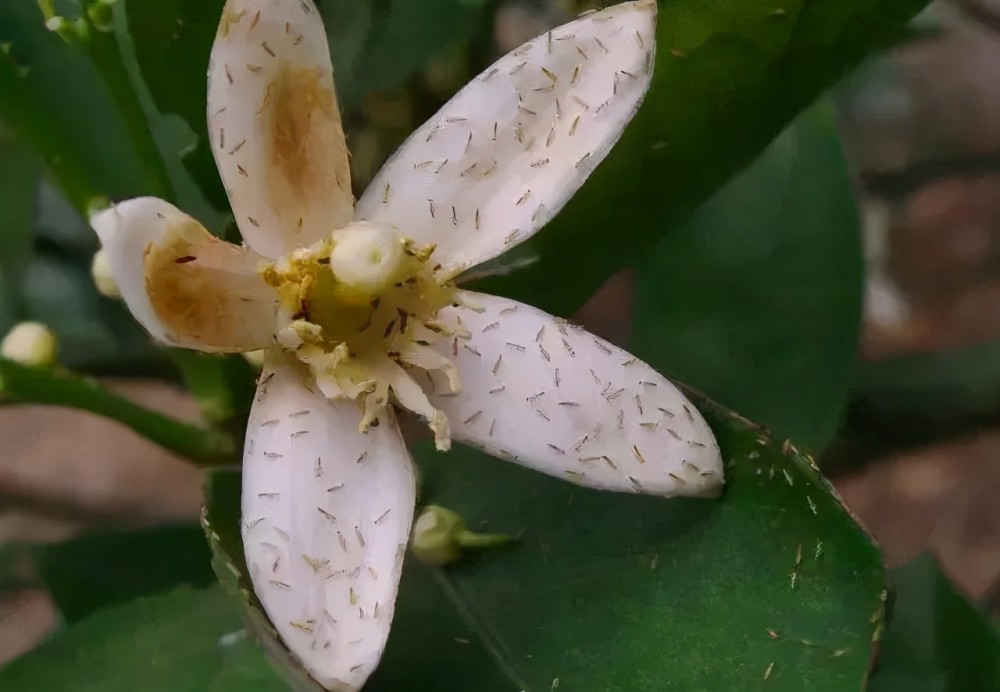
(357, 308)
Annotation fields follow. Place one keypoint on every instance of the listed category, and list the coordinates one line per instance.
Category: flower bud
(32, 344)
(439, 536)
(100, 271)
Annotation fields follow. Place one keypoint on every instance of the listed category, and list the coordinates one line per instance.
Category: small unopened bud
(100, 271)
(255, 358)
(32, 344)
(439, 536)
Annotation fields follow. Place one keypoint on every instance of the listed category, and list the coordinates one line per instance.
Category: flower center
(367, 259)
(357, 313)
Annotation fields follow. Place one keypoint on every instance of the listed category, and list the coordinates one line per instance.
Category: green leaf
(376, 45)
(223, 385)
(103, 569)
(18, 180)
(54, 98)
(184, 640)
(729, 76)
(773, 586)
(57, 290)
(172, 40)
(917, 398)
(937, 641)
(757, 300)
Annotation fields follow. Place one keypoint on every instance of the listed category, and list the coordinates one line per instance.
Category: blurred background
(914, 451)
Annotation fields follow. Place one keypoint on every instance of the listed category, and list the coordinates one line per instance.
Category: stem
(201, 446)
(470, 539)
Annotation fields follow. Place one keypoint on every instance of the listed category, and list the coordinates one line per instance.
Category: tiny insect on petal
(555, 398)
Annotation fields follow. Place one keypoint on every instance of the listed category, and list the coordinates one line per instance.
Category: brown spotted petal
(275, 125)
(553, 397)
(184, 285)
(326, 518)
(505, 154)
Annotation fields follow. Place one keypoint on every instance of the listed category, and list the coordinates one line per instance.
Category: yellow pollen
(363, 339)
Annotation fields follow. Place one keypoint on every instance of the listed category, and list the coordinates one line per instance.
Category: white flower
(359, 314)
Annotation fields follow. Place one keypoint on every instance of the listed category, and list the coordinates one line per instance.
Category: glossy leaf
(773, 585)
(103, 569)
(54, 98)
(938, 641)
(729, 76)
(757, 300)
(184, 640)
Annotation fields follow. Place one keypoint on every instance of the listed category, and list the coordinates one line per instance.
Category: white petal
(504, 155)
(184, 285)
(326, 517)
(275, 124)
(553, 397)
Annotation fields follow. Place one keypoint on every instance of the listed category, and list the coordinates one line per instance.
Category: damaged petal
(187, 287)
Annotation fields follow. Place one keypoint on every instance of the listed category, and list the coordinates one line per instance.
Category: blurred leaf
(184, 640)
(771, 586)
(757, 300)
(906, 395)
(172, 40)
(937, 641)
(377, 44)
(223, 385)
(729, 76)
(18, 180)
(105, 569)
(54, 98)
(917, 399)
(58, 223)
(93, 331)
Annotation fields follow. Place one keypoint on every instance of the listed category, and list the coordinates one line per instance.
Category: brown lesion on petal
(207, 292)
(309, 173)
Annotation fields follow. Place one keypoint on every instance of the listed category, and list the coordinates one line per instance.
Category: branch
(199, 445)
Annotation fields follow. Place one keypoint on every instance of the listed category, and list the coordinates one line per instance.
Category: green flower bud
(439, 536)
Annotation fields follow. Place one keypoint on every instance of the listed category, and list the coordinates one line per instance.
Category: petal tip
(105, 223)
